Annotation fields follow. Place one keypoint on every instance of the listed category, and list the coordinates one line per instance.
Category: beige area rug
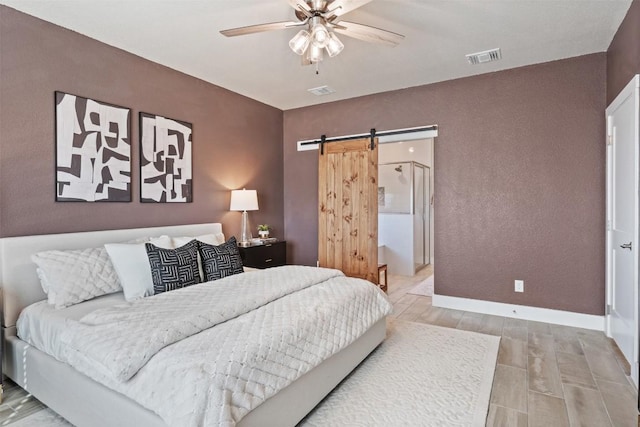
(421, 375)
(424, 288)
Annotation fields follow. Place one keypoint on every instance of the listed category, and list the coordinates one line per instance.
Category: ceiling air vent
(321, 90)
(486, 56)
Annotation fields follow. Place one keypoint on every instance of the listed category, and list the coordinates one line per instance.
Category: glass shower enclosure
(403, 215)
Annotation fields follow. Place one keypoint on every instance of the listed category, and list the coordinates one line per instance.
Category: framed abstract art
(165, 160)
(93, 150)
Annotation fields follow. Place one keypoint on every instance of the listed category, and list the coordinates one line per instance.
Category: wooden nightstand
(264, 256)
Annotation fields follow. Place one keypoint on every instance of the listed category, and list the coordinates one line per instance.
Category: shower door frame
(426, 183)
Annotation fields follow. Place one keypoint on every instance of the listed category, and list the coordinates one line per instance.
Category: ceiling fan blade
(296, 4)
(241, 31)
(368, 33)
(341, 7)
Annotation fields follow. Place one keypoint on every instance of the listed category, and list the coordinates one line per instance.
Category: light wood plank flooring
(546, 375)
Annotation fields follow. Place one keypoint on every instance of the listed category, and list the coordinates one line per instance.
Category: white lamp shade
(244, 200)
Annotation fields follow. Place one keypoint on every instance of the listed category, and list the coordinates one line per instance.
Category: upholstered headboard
(19, 281)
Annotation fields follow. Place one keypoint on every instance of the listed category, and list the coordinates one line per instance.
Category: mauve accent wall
(519, 179)
(623, 55)
(237, 141)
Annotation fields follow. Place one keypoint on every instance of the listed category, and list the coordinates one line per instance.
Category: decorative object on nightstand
(244, 200)
(263, 231)
(264, 255)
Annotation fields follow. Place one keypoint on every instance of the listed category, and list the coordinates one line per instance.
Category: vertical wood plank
(363, 220)
(354, 223)
(346, 214)
(323, 200)
(372, 213)
(331, 208)
(336, 224)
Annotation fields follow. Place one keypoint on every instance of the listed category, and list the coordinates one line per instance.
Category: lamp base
(245, 234)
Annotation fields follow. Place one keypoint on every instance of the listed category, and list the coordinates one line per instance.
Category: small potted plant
(263, 231)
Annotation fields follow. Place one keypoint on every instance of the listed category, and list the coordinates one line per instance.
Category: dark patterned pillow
(173, 268)
(220, 261)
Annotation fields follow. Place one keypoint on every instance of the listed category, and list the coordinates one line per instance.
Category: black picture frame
(166, 159)
(89, 135)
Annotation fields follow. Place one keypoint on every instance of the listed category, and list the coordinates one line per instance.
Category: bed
(86, 402)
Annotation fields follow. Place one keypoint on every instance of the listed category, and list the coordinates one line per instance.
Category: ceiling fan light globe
(320, 36)
(300, 42)
(315, 53)
(334, 46)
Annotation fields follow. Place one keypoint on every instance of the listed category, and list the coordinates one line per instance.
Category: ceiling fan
(320, 21)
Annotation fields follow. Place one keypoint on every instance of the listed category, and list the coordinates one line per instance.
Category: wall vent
(486, 56)
(321, 90)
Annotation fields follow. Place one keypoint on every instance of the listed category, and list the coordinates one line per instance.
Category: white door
(622, 223)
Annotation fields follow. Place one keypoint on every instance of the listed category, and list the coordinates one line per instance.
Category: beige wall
(237, 142)
(519, 179)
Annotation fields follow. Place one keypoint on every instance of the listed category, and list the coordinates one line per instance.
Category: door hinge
(607, 310)
(608, 225)
(609, 139)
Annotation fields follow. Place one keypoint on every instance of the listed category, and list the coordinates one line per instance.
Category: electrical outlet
(519, 286)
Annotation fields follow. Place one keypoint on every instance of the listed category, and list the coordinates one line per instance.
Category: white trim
(558, 317)
(384, 139)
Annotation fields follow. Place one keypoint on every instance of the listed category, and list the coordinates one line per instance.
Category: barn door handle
(626, 246)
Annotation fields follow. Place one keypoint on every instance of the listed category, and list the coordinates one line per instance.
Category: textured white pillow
(132, 265)
(70, 277)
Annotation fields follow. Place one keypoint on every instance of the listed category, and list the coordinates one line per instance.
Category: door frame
(396, 136)
(632, 89)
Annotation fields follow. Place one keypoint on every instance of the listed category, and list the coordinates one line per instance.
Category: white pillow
(211, 239)
(132, 265)
(70, 277)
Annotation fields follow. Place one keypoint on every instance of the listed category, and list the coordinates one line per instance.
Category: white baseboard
(558, 317)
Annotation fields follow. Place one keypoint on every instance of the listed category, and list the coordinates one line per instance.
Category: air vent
(486, 56)
(321, 90)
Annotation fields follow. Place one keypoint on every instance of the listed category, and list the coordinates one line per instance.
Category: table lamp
(244, 200)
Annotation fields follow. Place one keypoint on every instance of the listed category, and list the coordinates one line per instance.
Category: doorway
(622, 222)
(405, 205)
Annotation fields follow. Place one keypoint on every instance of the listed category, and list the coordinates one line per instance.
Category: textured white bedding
(215, 375)
(41, 324)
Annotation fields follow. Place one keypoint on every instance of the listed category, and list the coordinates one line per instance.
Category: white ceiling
(184, 35)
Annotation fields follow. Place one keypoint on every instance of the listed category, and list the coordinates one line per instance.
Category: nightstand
(264, 256)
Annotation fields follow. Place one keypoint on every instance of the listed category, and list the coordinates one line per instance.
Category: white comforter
(271, 327)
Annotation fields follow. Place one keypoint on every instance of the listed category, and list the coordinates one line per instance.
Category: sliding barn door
(348, 208)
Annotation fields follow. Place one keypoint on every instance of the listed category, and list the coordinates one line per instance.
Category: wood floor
(547, 375)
